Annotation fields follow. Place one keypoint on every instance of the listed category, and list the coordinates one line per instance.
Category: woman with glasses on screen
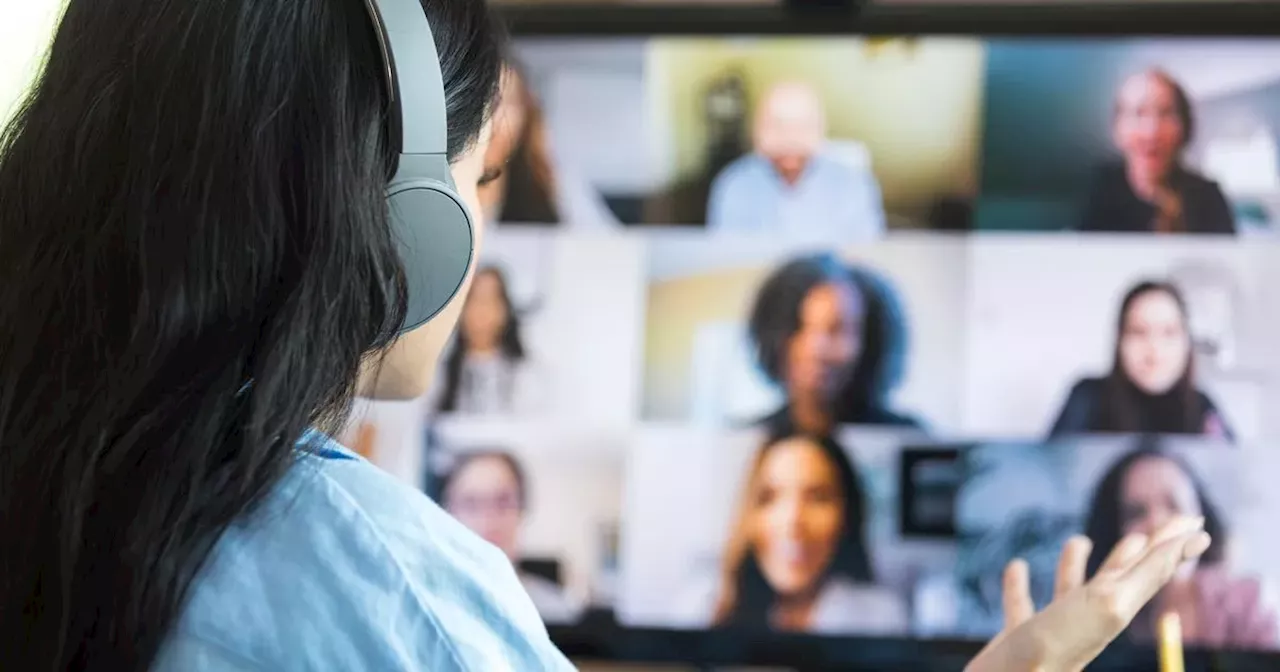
(1150, 190)
(197, 272)
(832, 339)
(1151, 387)
(488, 492)
(1140, 493)
(797, 557)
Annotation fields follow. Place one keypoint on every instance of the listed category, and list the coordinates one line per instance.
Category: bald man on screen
(790, 183)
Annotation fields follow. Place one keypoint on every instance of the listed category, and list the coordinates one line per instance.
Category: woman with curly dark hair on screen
(832, 338)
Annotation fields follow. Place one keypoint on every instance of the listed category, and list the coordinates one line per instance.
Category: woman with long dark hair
(1138, 494)
(197, 272)
(488, 370)
(797, 557)
(1151, 387)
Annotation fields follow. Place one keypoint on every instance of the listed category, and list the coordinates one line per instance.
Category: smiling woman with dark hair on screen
(797, 556)
(831, 339)
(1150, 190)
(1140, 492)
(1151, 387)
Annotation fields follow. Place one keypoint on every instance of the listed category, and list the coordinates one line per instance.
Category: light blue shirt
(832, 201)
(346, 568)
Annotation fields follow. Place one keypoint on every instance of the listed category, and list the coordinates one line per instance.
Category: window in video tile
(1151, 136)
(831, 138)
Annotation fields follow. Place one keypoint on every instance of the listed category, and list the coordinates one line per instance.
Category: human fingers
(1018, 606)
(1176, 528)
(1125, 554)
(1133, 547)
(1071, 566)
(1157, 567)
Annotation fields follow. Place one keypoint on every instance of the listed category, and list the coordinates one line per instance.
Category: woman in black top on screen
(1150, 190)
(833, 339)
(1151, 387)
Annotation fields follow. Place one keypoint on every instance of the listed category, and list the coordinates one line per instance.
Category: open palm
(1084, 617)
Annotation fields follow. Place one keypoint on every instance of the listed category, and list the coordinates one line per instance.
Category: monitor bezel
(1198, 18)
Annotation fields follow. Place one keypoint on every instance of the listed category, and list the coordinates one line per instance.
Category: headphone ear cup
(436, 240)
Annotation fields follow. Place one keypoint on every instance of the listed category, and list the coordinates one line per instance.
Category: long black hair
(195, 262)
(509, 343)
(1125, 408)
(747, 597)
(1103, 524)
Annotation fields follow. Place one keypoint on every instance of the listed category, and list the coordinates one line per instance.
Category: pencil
(1171, 643)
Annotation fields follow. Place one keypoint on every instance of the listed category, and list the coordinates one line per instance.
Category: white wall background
(683, 486)
(26, 27)
(928, 271)
(1043, 315)
(584, 334)
(575, 488)
(587, 329)
(589, 89)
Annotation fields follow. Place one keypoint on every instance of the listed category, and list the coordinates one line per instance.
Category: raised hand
(1085, 617)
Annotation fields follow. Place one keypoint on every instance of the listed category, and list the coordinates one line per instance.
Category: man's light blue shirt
(832, 200)
(346, 568)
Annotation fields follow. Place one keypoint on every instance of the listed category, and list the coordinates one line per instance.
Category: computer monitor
(782, 345)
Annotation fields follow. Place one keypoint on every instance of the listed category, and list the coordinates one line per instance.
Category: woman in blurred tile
(1151, 388)
(535, 187)
(488, 492)
(832, 339)
(1138, 494)
(797, 557)
(488, 370)
(1149, 189)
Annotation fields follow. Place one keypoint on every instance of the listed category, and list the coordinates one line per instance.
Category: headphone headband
(414, 82)
(430, 223)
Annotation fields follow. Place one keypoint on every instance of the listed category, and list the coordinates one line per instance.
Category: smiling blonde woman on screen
(197, 272)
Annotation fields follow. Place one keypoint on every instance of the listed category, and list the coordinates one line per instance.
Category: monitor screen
(815, 334)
